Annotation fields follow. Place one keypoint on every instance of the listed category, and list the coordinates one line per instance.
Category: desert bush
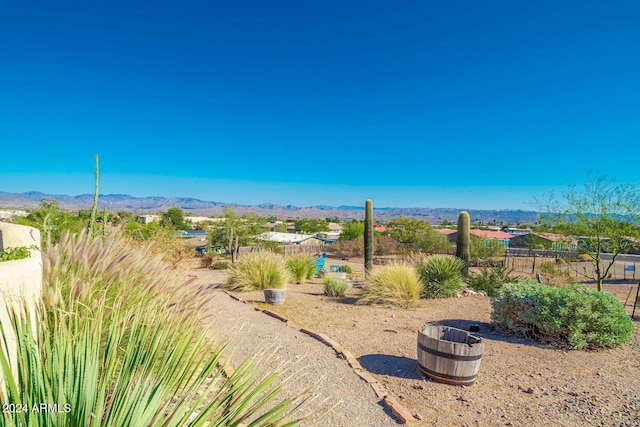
(258, 270)
(585, 257)
(220, 265)
(269, 245)
(346, 269)
(490, 279)
(349, 248)
(206, 261)
(550, 274)
(385, 245)
(301, 266)
(482, 248)
(335, 287)
(572, 316)
(440, 276)
(395, 284)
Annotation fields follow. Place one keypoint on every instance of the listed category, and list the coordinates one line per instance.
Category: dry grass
(396, 284)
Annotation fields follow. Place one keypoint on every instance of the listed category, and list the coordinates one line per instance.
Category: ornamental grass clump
(573, 316)
(258, 270)
(335, 287)
(301, 266)
(83, 269)
(395, 284)
(441, 276)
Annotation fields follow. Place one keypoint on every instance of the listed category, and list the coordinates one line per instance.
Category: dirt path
(344, 398)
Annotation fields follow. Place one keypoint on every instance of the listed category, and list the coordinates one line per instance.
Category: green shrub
(490, 279)
(441, 276)
(258, 270)
(550, 274)
(301, 266)
(220, 265)
(335, 287)
(13, 254)
(396, 284)
(572, 316)
(268, 245)
(346, 269)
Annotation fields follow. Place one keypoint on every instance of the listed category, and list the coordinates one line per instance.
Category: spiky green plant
(335, 287)
(440, 276)
(104, 366)
(395, 284)
(368, 236)
(463, 241)
(258, 270)
(301, 266)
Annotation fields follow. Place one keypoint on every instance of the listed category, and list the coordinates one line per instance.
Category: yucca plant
(258, 270)
(138, 369)
(301, 266)
(335, 287)
(441, 276)
(395, 284)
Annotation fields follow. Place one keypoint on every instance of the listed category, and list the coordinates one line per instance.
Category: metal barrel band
(431, 373)
(449, 356)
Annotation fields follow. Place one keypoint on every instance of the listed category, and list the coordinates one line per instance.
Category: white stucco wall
(19, 279)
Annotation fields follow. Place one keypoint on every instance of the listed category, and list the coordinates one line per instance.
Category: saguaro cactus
(463, 241)
(368, 236)
(94, 208)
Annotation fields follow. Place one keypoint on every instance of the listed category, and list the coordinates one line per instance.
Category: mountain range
(191, 206)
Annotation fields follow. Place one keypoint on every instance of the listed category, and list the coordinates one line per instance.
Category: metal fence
(524, 252)
(287, 249)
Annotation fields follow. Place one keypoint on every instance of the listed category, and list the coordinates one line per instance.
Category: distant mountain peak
(154, 204)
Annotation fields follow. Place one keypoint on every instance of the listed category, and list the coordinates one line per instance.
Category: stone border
(381, 392)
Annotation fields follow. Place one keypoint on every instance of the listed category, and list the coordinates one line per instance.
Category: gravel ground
(343, 398)
(520, 383)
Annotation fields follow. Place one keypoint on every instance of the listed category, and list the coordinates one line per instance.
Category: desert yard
(520, 382)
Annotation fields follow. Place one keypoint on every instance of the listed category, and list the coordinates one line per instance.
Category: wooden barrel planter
(449, 355)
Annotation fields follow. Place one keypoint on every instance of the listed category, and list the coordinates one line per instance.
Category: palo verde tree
(604, 216)
(352, 230)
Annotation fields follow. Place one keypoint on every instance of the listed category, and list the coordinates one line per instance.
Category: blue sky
(411, 103)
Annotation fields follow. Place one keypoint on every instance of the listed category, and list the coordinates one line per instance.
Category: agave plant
(441, 275)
